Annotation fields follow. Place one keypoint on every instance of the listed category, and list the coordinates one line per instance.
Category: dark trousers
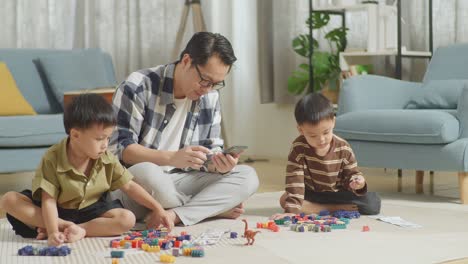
(368, 204)
(76, 216)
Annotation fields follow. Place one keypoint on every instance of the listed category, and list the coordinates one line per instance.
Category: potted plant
(326, 66)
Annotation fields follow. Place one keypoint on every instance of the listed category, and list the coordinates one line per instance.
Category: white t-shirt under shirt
(172, 134)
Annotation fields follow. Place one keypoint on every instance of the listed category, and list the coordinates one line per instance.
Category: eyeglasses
(207, 83)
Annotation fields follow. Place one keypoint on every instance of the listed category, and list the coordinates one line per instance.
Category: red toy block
(365, 229)
(115, 244)
(134, 243)
(177, 244)
(274, 228)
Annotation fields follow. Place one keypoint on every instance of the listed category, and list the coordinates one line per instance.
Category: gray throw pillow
(437, 94)
(77, 70)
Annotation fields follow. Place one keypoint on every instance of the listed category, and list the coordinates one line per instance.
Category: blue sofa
(421, 126)
(24, 139)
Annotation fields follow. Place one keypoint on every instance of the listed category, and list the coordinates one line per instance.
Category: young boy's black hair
(86, 110)
(313, 108)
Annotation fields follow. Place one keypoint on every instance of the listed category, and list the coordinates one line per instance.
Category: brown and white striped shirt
(329, 173)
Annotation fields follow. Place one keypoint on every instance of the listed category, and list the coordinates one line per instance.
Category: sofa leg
(463, 183)
(419, 181)
(431, 182)
(400, 180)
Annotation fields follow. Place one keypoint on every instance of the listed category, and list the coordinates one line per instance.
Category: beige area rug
(444, 236)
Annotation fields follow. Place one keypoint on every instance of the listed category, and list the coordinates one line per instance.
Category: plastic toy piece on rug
(346, 214)
(166, 258)
(271, 225)
(249, 234)
(45, 251)
(117, 254)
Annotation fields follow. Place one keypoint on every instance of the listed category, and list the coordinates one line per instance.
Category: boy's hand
(156, 219)
(357, 182)
(281, 216)
(55, 239)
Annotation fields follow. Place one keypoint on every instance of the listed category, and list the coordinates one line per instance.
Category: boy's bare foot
(234, 213)
(173, 216)
(41, 233)
(74, 233)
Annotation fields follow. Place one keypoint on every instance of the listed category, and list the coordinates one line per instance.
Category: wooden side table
(107, 93)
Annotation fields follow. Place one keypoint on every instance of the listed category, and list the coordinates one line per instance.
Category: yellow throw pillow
(12, 101)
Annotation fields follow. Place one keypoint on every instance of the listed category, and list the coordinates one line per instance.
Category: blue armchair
(422, 126)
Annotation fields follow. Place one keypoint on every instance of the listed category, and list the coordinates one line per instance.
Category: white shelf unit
(364, 57)
(384, 34)
(381, 23)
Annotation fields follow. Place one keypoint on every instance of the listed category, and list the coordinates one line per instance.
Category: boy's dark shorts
(368, 204)
(76, 216)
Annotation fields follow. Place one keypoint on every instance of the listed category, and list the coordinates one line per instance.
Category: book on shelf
(357, 69)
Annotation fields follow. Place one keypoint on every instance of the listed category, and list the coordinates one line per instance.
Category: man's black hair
(313, 108)
(203, 45)
(86, 110)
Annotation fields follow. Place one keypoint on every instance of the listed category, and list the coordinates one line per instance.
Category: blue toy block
(117, 254)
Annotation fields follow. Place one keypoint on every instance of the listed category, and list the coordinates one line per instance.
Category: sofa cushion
(12, 101)
(399, 126)
(74, 71)
(31, 131)
(437, 94)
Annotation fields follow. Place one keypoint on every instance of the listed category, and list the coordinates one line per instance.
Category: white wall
(268, 129)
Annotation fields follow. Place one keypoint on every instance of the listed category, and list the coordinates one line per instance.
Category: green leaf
(298, 82)
(337, 36)
(326, 67)
(301, 45)
(318, 20)
(304, 66)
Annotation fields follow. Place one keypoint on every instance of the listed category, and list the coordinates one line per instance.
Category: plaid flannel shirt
(144, 106)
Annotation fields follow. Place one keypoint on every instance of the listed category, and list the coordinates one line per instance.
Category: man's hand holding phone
(225, 161)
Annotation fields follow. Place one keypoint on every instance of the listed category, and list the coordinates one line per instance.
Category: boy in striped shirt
(322, 172)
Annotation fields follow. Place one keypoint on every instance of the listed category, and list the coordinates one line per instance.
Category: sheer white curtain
(449, 18)
(137, 33)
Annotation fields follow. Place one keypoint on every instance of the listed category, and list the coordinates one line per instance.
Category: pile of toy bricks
(324, 221)
(271, 225)
(44, 251)
(155, 240)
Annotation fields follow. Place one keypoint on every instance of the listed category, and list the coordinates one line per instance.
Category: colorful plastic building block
(117, 254)
(46, 251)
(324, 213)
(198, 253)
(233, 234)
(365, 229)
(165, 258)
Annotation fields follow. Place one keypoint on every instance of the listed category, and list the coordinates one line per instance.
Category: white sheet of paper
(210, 237)
(396, 220)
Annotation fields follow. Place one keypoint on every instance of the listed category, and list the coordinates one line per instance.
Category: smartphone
(234, 150)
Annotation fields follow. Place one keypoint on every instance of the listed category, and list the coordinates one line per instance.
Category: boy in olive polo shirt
(69, 189)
